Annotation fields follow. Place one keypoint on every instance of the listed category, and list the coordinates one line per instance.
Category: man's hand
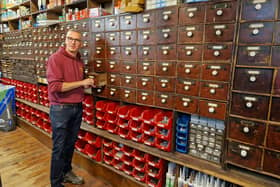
(88, 82)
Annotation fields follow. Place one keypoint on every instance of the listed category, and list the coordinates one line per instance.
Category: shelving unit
(234, 175)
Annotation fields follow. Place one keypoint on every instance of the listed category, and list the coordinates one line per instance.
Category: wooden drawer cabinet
(128, 95)
(253, 80)
(244, 155)
(98, 25)
(212, 109)
(221, 12)
(98, 38)
(113, 92)
(128, 37)
(214, 90)
(146, 67)
(129, 67)
(167, 68)
(164, 100)
(219, 52)
(166, 35)
(254, 55)
(99, 51)
(216, 72)
(188, 70)
(128, 81)
(112, 23)
(146, 19)
(145, 83)
(191, 14)
(114, 79)
(219, 32)
(147, 37)
(259, 10)
(190, 34)
(271, 162)
(146, 52)
(272, 138)
(253, 106)
(113, 52)
(99, 65)
(167, 16)
(129, 52)
(187, 87)
(246, 131)
(112, 38)
(163, 84)
(186, 104)
(113, 66)
(166, 52)
(256, 32)
(145, 97)
(190, 52)
(128, 22)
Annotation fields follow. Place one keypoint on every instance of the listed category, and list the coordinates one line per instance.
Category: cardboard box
(100, 79)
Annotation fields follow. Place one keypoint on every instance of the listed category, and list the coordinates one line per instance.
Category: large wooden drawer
(214, 90)
(254, 55)
(246, 131)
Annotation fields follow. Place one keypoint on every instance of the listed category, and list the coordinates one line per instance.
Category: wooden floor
(25, 162)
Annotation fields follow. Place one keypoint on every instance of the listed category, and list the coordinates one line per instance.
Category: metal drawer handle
(187, 71)
(189, 53)
(145, 68)
(144, 98)
(146, 20)
(128, 52)
(252, 53)
(112, 80)
(212, 91)
(246, 130)
(163, 85)
(190, 34)
(255, 31)
(191, 15)
(126, 95)
(128, 37)
(249, 104)
(97, 25)
(214, 73)
(112, 38)
(112, 23)
(165, 35)
(163, 101)
(218, 32)
(112, 52)
(145, 52)
(146, 37)
(243, 153)
(186, 87)
(253, 78)
(98, 65)
(127, 81)
(165, 17)
(99, 90)
(258, 6)
(211, 110)
(164, 69)
(165, 52)
(112, 66)
(98, 51)
(185, 104)
(84, 34)
(128, 22)
(144, 83)
(219, 12)
(127, 67)
(112, 93)
(86, 62)
(216, 53)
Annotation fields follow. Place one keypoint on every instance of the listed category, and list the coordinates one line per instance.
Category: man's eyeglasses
(73, 39)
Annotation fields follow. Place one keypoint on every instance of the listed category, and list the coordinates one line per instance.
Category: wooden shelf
(234, 175)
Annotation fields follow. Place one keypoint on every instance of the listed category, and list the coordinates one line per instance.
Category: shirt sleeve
(54, 75)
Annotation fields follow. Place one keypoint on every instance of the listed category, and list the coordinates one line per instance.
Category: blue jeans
(66, 121)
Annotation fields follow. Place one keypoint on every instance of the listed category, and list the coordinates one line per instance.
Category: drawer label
(186, 99)
(253, 72)
(192, 9)
(167, 12)
(189, 47)
(190, 28)
(253, 48)
(250, 98)
(256, 25)
(258, 1)
(244, 147)
(127, 17)
(165, 30)
(212, 104)
(219, 26)
(188, 66)
(146, 32)
(146, 48)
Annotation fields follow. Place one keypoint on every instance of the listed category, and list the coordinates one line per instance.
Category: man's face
(73, 41)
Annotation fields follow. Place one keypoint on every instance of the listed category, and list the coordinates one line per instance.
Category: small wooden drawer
(212, 109)
(246, 131)
(274, 113)
(102, 91)
(113, 66)
(215, 52)
(128, 22)
(99, 65)
(186, 104)
(254, 55)
(128, 37)
(112, 38)
(214, 90)
(129, 52)
(191, 14)
(258, 32)
(254, 80)
(146, 19)
(250, 105)
(167, 16)
(85, 53)
(128, 81)
(147, 52)
(129, 67)
(219, 32)
(277, 32)
(113, 52)
(244, 155)
(145, 97)
(187, 87)
(166, 68)
(275, 56)
(128, 95)
(271, 162)
(166, 52)
(98, 38)
(164, 100)
(99, 51)
(221, 12)
(166, 35)
(216, 72)
(272, 140)
(84, 25)
(112, 23)
(276, 88)
(190, 34)
(165, 84)
(114, 79)
(114, 92)
(190, 52)
(98, 25)
(147, 37)
(146, 67)
(188, 70)
(259, 10)
(145, 83)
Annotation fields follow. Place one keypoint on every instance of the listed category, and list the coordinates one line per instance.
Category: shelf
(76, 2)
(234, 175)
(25, 3)
(251, 93)
(254, 119)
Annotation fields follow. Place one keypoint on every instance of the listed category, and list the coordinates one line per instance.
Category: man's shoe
(71, 177)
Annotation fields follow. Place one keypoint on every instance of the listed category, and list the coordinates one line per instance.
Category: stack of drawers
(254, 128)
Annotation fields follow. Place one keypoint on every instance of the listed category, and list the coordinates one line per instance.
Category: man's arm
(67, 86)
